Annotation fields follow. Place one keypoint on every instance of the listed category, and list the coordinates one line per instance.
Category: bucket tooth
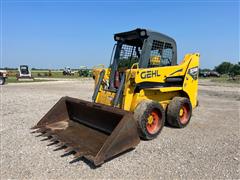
(40, 130)
(61, 144)
(54, 139)
(47, 134)
(52, 143)
(34, 131)
(60, 148)
(67, 153)
(80, 154)
(39, 135)
(45, 139)
(69, 149)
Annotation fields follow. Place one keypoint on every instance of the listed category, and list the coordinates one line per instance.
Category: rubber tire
(141, 115)
(2, 82)
(173, 109)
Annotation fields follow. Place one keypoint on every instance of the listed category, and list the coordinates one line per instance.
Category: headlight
(143, 33)
(117, 38)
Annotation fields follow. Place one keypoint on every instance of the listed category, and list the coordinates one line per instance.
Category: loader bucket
(93, 131)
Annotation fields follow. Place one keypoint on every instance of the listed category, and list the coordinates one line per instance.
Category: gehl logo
(149, 74)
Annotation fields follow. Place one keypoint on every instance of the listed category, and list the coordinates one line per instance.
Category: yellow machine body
(187, 69)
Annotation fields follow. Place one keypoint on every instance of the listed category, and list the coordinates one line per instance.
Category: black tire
(2, 80)
(142, 114)
(174, 117)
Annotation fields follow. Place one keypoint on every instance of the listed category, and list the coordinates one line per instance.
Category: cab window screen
(128, 55)
(161, 54)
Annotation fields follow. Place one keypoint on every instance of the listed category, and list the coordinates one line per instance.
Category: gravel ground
(207, 148)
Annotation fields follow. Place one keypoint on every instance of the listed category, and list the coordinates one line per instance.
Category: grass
(224, 79)
(54, 74)
(42, 74)
(12, 79)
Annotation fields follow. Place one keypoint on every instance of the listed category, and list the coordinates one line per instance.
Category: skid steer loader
(24, 73)
(142, 86)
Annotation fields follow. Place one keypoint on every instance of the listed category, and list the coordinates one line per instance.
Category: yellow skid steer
(142, 89)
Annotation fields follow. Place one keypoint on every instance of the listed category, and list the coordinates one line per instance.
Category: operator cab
(146, 48)
(24, 69)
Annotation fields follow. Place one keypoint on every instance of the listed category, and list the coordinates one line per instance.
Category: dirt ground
(207, 148)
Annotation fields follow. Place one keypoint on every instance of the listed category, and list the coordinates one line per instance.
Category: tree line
(228, 68)
(225, 67)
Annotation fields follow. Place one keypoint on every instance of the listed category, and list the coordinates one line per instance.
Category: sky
(55, 34)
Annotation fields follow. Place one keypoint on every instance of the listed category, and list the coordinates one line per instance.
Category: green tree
(235, 70)
(224, 68)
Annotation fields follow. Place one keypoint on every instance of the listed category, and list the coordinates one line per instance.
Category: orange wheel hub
(184, 114)
(153, 122)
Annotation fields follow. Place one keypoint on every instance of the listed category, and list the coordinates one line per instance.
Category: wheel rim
(153, 122)
(184, 114)
(1, 81)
